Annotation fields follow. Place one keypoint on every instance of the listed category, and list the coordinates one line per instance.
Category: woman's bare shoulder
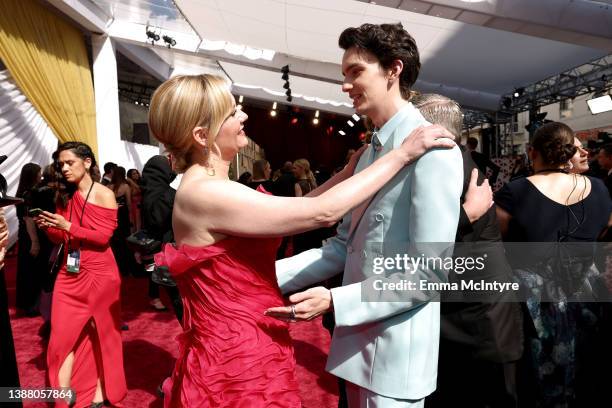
(104, 197)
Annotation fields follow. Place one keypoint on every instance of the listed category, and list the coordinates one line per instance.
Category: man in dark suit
(482, 161)
(481, 340)
(604, 158)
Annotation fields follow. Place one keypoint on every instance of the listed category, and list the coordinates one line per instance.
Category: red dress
(90, 295)
(231, 354)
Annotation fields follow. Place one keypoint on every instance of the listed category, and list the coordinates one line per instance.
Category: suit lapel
(376, 150)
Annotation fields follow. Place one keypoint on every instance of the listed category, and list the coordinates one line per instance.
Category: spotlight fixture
(518, 92)
(315, 121)
(274, 105)
(286, 86)
(355, 117)
(317, 114)
(273, 113)
(285, 69)
(288, 92)
(289, 98)
(342, 132)
(294, 121)
(285, 76)
(240, 98)
(351, 124)
(170, 42)
(152, 35)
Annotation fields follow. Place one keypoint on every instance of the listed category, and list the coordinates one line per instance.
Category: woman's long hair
(80, 150)
(118, 178)
(28, 179)
(305, 164)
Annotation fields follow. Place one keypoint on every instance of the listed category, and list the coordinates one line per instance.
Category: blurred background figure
(157, 203)
(123, 195)
(304, 178)
(29, 280)
(133, 180)
(261, 175)
(245, 178)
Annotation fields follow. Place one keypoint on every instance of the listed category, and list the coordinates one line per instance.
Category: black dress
(28, 279)
(562, 332)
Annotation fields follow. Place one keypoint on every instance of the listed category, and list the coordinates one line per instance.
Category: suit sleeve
(433, 217)
(314, 265)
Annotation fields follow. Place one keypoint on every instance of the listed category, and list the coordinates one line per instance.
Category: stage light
(294, 121)
(600, 104)
(170, 42)
(240, 98)
(286, 86)
(315, 121)
(289, 98)
(273, 113)
(317, 114)
(135, 102)
(152, 35)
(285, 69)
(351, 124)
(274, 105)
(518, 92)
(342, 132)
(239, 107)
(355, 117)
(288, 92)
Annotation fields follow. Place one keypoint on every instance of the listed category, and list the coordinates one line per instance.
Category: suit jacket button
(379, 217)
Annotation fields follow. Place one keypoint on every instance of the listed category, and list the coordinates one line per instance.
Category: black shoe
(97, 404)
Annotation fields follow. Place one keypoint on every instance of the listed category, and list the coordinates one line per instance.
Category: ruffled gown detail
(230, 354)
(92, 295)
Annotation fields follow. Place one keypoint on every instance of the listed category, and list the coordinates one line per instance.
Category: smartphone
(34, 212)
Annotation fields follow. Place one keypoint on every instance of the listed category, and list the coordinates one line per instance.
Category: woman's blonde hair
(183, 103)
(305, 164)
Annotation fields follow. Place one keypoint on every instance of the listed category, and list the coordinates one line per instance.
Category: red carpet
(149, 349)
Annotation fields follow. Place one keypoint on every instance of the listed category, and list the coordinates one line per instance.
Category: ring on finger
(292, 314)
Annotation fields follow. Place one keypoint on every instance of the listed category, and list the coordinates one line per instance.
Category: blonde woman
(305, 179)
(231, 353)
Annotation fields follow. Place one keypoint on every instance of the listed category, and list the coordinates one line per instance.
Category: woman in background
(29, 281)
(85, 352)
(305, 179)
(553, 206)
(261, 175)
(134, 180)
(123, 196)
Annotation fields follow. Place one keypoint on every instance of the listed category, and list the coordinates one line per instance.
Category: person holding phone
(85, 349)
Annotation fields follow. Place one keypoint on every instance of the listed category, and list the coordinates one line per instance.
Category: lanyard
(82, 211)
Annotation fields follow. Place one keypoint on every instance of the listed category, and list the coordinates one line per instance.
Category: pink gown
(90, 295)
(230, 354)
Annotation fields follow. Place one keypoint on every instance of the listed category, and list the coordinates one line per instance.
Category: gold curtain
(47, 58)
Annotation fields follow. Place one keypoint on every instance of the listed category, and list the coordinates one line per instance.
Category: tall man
(386, 351)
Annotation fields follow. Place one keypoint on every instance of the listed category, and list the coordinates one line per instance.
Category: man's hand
(307, 305)
(478, 198)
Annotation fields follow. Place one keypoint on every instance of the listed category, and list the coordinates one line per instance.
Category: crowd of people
(241, 261)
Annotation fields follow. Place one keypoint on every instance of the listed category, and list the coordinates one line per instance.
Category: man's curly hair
(387, 42)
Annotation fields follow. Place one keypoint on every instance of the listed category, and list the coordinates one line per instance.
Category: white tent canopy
(471, 51)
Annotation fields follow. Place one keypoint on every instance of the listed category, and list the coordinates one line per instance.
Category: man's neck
(387, 111)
